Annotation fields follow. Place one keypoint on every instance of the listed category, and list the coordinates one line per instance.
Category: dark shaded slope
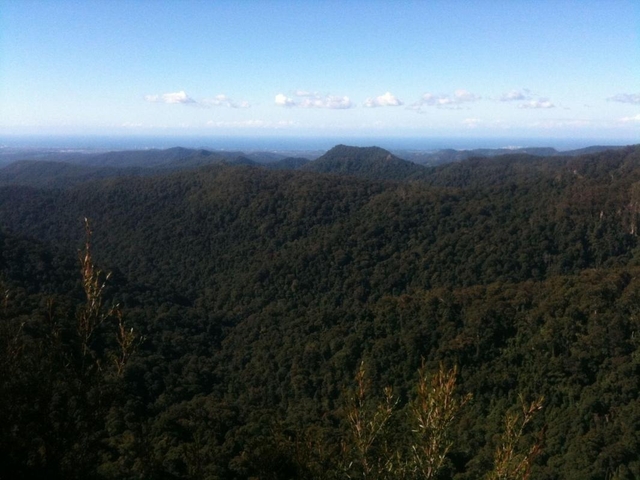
(45, 174)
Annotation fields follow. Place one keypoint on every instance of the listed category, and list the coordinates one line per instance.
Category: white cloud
(528, 99)
(386, 100)
(635, 118)
(452, 101)
(314, 100)
(224, 101)
(177, 97)
(436, 100)
(540, 103)
(284, 101)
(330, 101)
(515, 95)
(626, 98)
(465, 96)
(182, 98)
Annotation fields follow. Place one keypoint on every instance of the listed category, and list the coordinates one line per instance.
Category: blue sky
(543, 69)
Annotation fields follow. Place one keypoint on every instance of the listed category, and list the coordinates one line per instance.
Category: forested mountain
(254, 295)
(369, 162)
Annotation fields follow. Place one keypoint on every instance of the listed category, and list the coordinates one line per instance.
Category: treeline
(258, 294)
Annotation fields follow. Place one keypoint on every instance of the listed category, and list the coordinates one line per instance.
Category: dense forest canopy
(244, 297)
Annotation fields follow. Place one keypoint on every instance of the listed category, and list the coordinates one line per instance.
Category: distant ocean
(293, 143)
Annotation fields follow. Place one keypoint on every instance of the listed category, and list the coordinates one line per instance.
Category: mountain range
(55, 168)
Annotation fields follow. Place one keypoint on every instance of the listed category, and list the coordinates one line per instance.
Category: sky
(487, 68)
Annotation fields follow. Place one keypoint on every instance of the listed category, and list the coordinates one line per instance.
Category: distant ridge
(169, 158)
(450, 155)
(592, 149)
